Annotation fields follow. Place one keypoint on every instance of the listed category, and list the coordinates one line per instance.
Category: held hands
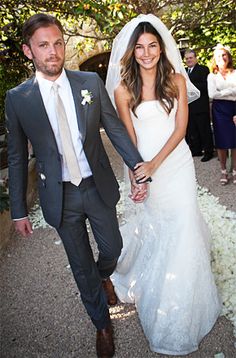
(23, 227)
(138, 192)
(234, 119)
(143, 171)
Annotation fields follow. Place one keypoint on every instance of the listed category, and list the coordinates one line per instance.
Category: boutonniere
(87, 97)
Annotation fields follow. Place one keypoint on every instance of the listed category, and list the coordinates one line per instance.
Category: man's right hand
(139, 192)
(23, 227)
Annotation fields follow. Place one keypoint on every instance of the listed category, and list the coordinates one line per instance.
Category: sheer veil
(120, 44)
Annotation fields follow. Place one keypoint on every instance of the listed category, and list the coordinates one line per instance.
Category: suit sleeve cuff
(25, 217)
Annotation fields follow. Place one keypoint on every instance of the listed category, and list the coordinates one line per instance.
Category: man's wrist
(148, 180)
(25, 217)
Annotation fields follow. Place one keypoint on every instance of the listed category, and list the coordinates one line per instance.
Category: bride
(164, 267)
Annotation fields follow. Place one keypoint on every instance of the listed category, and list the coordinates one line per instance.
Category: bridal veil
(120, 44)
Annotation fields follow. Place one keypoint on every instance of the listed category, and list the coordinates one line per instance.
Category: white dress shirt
(65, 93)
(190, 70)
(222, 88)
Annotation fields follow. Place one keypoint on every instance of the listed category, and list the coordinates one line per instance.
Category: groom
(60, 112)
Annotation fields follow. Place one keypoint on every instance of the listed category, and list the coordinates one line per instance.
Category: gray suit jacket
(26, 118)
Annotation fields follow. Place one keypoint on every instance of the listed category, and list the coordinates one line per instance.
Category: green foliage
(203, 24)
(104, 17)
(10, 76)
(13, 66)
(108, 14)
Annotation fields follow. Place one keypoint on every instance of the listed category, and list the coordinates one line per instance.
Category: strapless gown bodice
(153, 126)
(164, 267)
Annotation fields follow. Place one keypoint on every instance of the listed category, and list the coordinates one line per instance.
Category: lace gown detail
(164, 267)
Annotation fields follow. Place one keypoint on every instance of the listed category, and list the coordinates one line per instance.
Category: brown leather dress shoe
(110, 293)
(105, 344)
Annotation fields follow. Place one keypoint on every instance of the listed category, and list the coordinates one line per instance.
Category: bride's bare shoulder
(178, 79)
(122, 93)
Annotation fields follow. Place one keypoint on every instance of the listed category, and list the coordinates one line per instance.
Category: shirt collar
(62, 81)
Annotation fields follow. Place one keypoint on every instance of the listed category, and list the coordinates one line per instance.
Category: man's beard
(48, 69)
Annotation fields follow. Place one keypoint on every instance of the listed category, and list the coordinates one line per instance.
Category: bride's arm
(146, 169)
(122, 101)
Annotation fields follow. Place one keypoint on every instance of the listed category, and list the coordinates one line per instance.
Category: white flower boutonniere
(87, 97)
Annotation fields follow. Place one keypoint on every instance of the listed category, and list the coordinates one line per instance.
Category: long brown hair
(165, 89)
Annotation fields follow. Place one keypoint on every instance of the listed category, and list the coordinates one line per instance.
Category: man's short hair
(190, 51)
(37, 21)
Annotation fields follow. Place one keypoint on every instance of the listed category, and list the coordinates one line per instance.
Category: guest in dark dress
(199, 134)
(222, 91)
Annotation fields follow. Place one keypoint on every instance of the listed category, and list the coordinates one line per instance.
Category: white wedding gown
(164, 267)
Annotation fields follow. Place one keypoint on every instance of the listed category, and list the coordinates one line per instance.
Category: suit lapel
(77, 85)
(194, 70)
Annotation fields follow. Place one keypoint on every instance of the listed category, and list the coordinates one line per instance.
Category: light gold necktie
(66, 140)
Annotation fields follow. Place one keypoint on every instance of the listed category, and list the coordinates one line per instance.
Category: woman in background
(222, 90)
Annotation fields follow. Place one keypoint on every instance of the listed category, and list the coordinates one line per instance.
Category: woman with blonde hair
(164, 266)
(222, 92)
